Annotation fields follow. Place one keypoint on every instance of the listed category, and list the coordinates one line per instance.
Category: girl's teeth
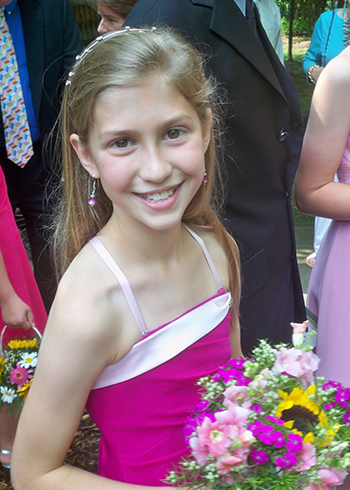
(156, 197)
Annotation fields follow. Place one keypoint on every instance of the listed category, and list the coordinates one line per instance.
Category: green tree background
(299, 17)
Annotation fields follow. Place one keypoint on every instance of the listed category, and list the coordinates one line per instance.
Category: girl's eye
(174, 133)
(122, 143)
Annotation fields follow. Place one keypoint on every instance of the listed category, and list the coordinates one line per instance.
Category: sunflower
(300, 412)
(22, 344)
(2, 364)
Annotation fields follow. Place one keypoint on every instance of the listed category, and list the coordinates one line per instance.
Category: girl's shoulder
(90, 298)
(336, 75)
(84, 276)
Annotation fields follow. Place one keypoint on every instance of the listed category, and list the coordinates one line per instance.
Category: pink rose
(236, 395)
(236, 416)
(261, 381)
(297, 363)
(247, 438)
(299, 330)
(214, 437)
(329, 477)
(287, 361)
(307, 457)
(199, 451)
(308, 364)
(236, 457)
(299, 327)
(332, 476)
(226, 463)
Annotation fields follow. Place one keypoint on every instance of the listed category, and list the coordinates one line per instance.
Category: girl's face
(110, 20)
(147, 145)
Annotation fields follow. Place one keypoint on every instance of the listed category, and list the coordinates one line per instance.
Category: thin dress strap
(206, 255)
(124, 284)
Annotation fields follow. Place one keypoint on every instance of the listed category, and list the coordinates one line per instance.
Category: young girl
(143, 309)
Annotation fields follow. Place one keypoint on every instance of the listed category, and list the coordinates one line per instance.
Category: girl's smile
(161, 199)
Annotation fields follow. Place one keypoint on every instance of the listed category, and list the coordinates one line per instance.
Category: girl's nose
(155, 167)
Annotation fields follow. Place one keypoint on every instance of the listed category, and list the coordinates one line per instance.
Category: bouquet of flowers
(17, 364)
(268, 423)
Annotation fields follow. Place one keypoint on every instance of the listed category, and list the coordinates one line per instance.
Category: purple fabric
(328, 293)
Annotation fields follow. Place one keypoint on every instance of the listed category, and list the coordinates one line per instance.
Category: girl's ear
(84, 156)
(206, 130)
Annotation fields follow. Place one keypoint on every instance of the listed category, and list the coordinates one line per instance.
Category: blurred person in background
(327, 41)
(45, 40)
(270, 17)
(113, 13)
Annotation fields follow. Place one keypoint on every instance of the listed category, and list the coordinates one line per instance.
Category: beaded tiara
(124, 31)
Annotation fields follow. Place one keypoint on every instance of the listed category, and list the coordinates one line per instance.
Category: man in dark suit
(46, 40)
(263, 140)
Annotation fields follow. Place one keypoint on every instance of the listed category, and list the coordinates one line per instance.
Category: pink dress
(18, 267)
(328, 294)
(141, 403)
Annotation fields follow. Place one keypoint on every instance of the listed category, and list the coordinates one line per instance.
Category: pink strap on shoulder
(124, 284)
(207, 256)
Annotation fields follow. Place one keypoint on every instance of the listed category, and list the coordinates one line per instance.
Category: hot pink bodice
(141, 403)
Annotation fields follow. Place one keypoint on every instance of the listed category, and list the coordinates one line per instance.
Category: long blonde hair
(129, 58)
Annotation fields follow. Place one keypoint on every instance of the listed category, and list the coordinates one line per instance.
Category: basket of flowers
(17, 365)
(268, 423)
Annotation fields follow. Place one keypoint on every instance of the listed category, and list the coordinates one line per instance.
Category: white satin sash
(167, 342)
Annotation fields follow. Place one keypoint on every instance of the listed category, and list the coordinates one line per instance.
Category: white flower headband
(99, 39)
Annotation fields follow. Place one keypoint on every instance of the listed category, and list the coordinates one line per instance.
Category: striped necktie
(19, 145)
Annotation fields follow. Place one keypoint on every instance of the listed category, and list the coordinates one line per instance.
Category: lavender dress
(141, 403)
(329, 293)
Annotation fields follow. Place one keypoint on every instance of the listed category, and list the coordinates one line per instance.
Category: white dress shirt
(242, 5)
(270, 17)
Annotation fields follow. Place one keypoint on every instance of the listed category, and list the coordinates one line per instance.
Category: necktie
(251, 16)
(19, 145)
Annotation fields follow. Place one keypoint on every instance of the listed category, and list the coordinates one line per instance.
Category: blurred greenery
(295, 68)
(300, 45)
(305, 13)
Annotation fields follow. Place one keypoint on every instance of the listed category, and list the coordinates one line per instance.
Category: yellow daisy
(25, 389)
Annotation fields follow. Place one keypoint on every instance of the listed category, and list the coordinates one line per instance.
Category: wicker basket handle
(2, 336)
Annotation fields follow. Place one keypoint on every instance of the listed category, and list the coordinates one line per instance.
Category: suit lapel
(33, 30)
(226, 22)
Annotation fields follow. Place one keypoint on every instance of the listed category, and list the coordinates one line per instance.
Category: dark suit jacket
(52, 41)
(264, 134)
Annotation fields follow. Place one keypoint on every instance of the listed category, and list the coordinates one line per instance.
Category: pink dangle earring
(205, 178)
(92, 200)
